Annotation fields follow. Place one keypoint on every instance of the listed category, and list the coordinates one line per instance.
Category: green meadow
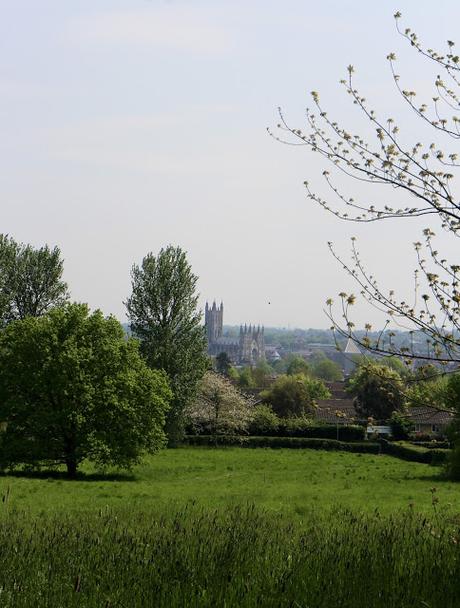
(288, 481)
(234, 527)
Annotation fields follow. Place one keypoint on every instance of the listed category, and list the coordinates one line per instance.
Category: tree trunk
(70, 458)
(71, 465)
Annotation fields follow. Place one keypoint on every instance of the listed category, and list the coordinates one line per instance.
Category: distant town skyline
(125, 127)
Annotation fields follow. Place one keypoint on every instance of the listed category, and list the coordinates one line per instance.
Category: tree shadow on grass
(434, 478)
(62, 475)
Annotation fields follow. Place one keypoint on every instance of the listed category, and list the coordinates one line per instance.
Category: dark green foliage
(73, 388)
(30, 280)
(400, 426)
(378, 391)
(325, 431)
(453, 464)
(223, 364)
(266, 423)
(295, 395)
(236, 557)
(432, 445)
(362, 447)
(162, 311)
(413, 454)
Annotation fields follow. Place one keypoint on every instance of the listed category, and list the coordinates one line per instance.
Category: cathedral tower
(247, 349)
(213, 321)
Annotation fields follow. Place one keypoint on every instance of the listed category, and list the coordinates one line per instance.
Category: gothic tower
(251, 344)
(248, 349)
(214, 321)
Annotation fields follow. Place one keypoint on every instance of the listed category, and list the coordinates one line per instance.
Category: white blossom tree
(219, 407)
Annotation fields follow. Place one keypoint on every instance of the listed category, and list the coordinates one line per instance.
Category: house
(429, 420)
(339, 409)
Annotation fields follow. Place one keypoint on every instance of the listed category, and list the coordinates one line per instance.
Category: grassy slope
(291, 481)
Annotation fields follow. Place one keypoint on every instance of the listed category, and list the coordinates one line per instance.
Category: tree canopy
(163, 314)
(219, 408)
(296, 395)
(297, 365)
(378, 391)
(326, 369)
(73, 388)
(30, 280)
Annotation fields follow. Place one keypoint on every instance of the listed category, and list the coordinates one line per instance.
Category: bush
(400, 426)
(414, 454)
(296, 427)
(324, 431)
(364, 447)
(296, 395)
(432, 445)
(453, 464)
(264, 421)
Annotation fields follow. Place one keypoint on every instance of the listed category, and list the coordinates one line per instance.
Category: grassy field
(230, 557)
(290, 481)
(234, 528)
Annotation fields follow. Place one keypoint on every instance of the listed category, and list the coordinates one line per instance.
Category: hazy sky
(129, 125)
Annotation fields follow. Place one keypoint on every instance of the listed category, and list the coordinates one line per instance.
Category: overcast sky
(129, 125)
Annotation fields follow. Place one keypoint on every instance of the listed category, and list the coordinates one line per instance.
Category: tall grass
(228, 557)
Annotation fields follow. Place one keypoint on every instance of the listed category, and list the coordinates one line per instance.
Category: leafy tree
(233, 374)
(73, 388)
(400, 426)
(420, 177)
(296, 395)
(378, 391)
(261, 373)
(396, 364)
(326, 369)
(431, 392)
(223, 363)
(297, 365)
(162, 311)
(30, 280)
(219, 408)
(246, 379)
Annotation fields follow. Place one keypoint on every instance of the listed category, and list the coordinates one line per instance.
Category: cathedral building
(247, 349)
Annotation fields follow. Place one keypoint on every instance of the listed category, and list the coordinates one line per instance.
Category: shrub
(400, 426)
(264, 421)
(283, 442)
(431, 445)
(414, 454)
(295, 395)
(296, 427)
(453, 464)
(324, 431)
